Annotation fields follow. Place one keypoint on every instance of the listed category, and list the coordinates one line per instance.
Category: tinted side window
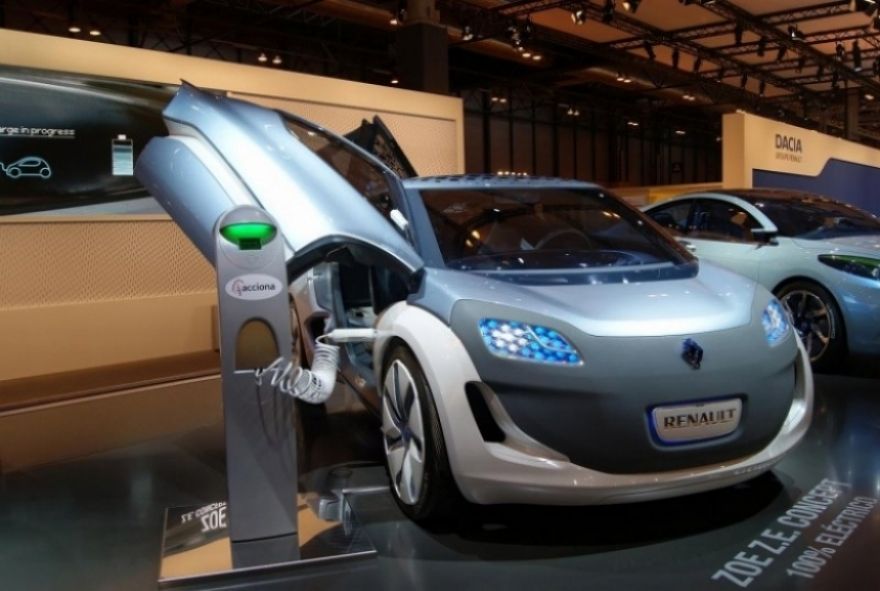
(718, 220)
(673, 217)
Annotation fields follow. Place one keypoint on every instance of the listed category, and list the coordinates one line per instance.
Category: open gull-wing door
(378, 140)
(324, 192)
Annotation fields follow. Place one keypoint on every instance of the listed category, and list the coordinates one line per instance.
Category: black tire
(799, 298)
(439, 497)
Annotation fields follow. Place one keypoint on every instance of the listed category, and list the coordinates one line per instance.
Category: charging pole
(260, 438)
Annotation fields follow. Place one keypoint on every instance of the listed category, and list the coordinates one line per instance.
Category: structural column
(422, 49)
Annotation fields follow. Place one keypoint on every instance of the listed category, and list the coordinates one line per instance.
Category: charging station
(258, 526)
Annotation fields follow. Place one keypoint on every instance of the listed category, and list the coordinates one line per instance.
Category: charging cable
(314, 385)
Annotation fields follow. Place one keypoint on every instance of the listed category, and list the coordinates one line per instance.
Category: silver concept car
(819, 256)
(539, 341)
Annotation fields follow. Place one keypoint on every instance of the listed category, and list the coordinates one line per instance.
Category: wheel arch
(808, 279)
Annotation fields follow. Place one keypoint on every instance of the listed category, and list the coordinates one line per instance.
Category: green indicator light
(249, 235)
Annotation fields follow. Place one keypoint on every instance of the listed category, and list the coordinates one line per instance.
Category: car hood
(715, 299)
(862, 245)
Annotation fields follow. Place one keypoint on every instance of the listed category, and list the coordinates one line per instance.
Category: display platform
(811, 524)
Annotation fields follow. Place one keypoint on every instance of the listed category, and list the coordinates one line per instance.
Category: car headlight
(775, 321)
(861, 266)
(527, 342)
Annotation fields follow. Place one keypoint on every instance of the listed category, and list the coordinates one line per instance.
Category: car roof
(753, 195)
(505, 181)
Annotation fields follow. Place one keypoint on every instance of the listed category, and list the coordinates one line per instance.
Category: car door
(723, 233)
(325, 193)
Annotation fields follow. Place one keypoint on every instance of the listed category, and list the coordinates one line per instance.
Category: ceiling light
(869, 96)
(632, 123)
(631, 5)
(263, 58)
(795, 34)
(680, 132)
(857, 56)
(627, 79)
(467, 34)
(277, 60)
(537, 57)
(840, 51)
(579, 15)
(649, 49)
(399, 15)
(394, 80)
(74, 28)
(526, 54)
(619, 77)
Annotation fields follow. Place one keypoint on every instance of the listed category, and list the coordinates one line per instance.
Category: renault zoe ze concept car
(539, 341)
(819, 256)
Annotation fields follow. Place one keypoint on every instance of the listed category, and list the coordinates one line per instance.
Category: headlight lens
(775, 321)
(529, 342)
(861, 266)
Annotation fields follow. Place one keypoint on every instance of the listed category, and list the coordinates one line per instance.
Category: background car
(537, 340)
(821, 257)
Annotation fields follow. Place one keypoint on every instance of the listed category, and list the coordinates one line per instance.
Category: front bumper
(505, 474)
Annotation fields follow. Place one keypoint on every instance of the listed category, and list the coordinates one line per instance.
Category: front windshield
(817, 219)
(500, 229)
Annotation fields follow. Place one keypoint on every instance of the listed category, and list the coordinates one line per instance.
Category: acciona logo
(253, 287)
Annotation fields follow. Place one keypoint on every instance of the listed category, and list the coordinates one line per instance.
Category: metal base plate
(196, 544)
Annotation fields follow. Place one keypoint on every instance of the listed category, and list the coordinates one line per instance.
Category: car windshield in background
(530, 229)
(815, 219)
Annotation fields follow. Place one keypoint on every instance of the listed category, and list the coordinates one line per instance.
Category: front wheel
(415, 454)
(817, 319)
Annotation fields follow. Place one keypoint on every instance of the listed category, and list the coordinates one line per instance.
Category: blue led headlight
(527, 342)
(775, 321)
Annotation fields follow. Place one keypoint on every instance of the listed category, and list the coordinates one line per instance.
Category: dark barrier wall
(854, 183)
(68, 140)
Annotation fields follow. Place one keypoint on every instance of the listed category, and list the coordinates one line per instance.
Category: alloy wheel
(403, 433)
(812, 319)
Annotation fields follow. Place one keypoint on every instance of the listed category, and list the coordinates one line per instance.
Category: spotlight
(394, 80)
(876, 67)
(821, 71)
(467, 34)
(676, 56)
(720, 74)
(738, 34)
(744, 79)
(698, 63)
(761, 88)
(802, 61)
(631, 5)
(74, 28)
(835, 80)
(857, 56)
(94, 31)
(649, 49)
(780, 55)
(277, 60)
(608, 11)
(619, 77)
(795, 34)
(762, 46)
(579, 15)
(632, 123)
(399, 16)
(526, 54)
(876, 23)
(869, 96)
(680, 132)
(263, 58)
(840, 51)
(537, 57)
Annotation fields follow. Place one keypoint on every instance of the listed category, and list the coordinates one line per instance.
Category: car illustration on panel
(29, 166)
(820, 257)
(538, 340)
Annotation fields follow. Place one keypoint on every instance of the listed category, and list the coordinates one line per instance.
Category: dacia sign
(789, 147)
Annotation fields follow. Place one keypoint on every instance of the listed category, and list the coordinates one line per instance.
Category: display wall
(761, 152)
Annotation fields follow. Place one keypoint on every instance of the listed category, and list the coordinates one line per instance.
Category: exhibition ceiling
(805, 61)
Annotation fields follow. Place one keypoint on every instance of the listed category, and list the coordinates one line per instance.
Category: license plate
(695, 422)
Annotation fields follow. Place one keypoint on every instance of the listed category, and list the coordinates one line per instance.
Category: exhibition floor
(96, 523)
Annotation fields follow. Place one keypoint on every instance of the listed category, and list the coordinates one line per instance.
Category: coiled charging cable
(314, 385)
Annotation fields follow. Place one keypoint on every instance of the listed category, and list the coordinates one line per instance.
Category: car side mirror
(766, 236)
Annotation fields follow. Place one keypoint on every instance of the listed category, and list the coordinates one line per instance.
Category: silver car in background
(819, 256)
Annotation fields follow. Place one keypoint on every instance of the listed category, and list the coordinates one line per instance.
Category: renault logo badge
(692, 353)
